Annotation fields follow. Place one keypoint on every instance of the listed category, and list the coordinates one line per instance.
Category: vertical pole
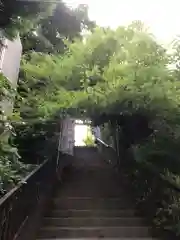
(59, 144)
(117, 138)
(118, 143)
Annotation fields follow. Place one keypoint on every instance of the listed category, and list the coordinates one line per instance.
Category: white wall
(10, 58)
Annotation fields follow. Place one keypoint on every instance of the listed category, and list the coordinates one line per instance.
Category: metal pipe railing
(157, 195)
(18, 204)
(109, 153)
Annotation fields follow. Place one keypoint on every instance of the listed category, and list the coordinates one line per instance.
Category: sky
(80, 134)
(161, 16)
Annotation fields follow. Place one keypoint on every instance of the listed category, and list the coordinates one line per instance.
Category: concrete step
(90, 171)
(94, 194)
(107, 188)
(92, 187)
(91, 213)
(91, 175)
(94, 191)
(93, 232)
(100, 238)
(89, 193)
(91, 203)
(93, 222)
(95, 183)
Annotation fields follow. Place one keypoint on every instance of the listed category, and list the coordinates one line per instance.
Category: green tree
(64, 23)
(125, 74)
(95, 76)
(20, 16)
(43, 25)
(117, 72)
(89, 139)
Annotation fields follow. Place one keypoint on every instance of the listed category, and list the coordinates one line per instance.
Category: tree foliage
(43, 25)
(20, 16)
(112, 71)
(11, 169)
(89, 138)
(122, 72)
(63, 23)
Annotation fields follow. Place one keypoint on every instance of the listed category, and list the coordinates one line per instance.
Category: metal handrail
(149, 167)
(103, 143)
(19, 203)
(156, 195)
(108, 152)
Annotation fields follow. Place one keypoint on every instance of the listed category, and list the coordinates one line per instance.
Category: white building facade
(10, 58)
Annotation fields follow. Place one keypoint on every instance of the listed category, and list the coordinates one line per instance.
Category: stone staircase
(92, 204)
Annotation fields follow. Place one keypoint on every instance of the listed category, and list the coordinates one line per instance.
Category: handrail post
(117, 143)
(59, 147)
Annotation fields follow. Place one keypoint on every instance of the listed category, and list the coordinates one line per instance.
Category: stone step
(93, 222)
(99, 238)
(90, 213)
(113, 190)
(92, 175)
(99, 182)
(88, 193)
(94, 194)
(68, 198)
(93, 232)
(101, 191)
(90, 171)
(91, 203)
(102, 187)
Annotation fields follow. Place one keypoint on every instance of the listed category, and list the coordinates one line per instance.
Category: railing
(109, 154)
(17, 206)
(156, 195)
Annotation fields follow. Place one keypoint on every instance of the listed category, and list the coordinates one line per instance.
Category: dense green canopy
(122, 74)
(111, 71)
(102, 74)
(117, 72)
(43, 25)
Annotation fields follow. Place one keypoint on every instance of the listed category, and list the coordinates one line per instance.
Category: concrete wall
(10, 57)
(67, 137)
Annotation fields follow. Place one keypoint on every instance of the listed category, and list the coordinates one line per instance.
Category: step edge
(92, 210)
(93, 218)
(121, 238)
(94, 228)
(95, 210)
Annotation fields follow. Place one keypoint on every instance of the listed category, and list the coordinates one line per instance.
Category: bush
(89, 140)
